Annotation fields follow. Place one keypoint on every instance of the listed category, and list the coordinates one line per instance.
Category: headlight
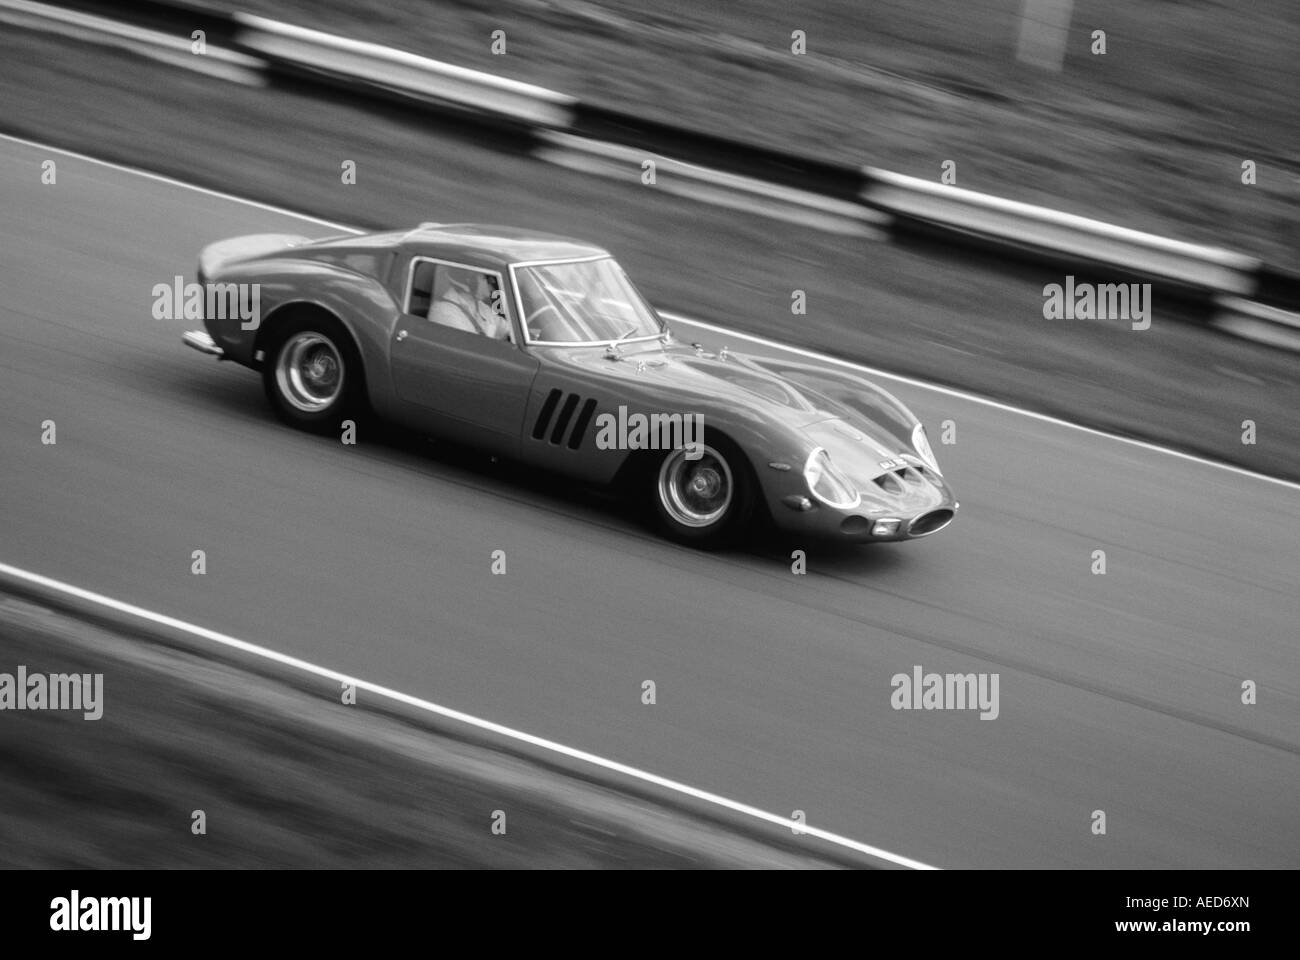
(921, 443)
(827, 483)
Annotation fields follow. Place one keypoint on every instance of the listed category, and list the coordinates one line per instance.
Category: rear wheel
(706, 501)
(312, 373)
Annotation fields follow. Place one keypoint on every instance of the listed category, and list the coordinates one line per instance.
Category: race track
(1118, 692)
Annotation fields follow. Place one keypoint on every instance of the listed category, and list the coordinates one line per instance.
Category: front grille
(931, 522)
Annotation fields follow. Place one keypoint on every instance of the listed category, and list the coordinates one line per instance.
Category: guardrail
(836, 197)
(1054, 234)
(401, 73)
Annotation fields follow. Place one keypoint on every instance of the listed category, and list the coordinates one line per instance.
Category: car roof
(490, 246)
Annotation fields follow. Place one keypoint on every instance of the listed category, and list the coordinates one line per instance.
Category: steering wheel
(528, 321)
(538, 312)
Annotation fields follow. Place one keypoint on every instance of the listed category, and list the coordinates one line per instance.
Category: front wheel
(706, 501)
(312, 374)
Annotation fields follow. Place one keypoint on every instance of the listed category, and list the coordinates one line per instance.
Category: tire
(312, 373)
(705, 502)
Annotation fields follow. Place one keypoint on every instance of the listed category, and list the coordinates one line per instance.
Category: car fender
(861, 402)
(361, 303)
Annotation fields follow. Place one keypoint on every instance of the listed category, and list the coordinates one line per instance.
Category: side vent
(580, 428)
(566, 414)
(544, 418)
(564, 418)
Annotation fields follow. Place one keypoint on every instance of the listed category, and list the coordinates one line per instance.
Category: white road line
(811, 354)
(509, 732)
(171, 182)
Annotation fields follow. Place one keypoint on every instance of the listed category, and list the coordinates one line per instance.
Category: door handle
(401, 335)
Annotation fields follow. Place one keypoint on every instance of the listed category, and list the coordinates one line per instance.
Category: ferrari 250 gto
(539, 348)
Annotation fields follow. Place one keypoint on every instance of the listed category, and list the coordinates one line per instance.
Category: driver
(473, 312)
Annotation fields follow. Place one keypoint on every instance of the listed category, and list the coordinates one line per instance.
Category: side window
(469, 300)
(421, 296)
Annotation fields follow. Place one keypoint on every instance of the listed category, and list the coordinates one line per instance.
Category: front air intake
(928, 523)
(889, 483)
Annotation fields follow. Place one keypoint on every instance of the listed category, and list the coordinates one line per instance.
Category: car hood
(861, 454)
(678, 378)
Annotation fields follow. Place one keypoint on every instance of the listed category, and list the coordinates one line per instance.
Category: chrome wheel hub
(309, 371)
(695, 493)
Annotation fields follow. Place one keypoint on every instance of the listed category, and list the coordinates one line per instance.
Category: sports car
(539, 348)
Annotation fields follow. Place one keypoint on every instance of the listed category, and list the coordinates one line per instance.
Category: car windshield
(591, 301)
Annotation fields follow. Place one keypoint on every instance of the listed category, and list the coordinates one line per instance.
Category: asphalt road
(1118, 692)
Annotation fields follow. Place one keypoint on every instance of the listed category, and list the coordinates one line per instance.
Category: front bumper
(920, 510)
(831, 523)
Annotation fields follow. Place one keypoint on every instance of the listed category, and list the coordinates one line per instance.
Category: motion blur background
(1119, 691)
(1152, 135)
